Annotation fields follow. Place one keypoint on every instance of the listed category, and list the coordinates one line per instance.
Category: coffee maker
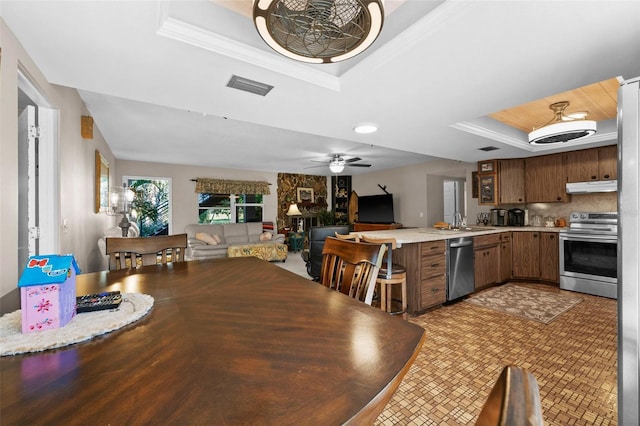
(516, 217)
(498, 217)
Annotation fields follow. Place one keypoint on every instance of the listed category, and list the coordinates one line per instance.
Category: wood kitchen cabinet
(545, 179)
(506, 249)
(426, 265)
(549, 257)
(511, 181)
(592, 164)
(486, 257)
(608, 162)
(526, 255)
(536, 256)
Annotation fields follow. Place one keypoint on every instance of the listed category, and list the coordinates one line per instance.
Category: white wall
(418, 190)
(183, 195)
(75, 164)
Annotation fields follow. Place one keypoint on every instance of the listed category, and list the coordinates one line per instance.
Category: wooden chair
(350, 237)
(514, 400)
(351, 267)
(150, 250)
(390, 276)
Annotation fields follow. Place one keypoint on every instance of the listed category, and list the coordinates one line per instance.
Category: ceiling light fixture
(318, 31)
(365, 128)
(562, 127)
(336, 165)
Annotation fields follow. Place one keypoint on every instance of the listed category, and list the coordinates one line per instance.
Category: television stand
(360, 227)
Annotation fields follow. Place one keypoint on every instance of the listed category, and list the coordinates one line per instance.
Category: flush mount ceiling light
(563, 127)
(318, 31)
(337, 165)
(365, 128)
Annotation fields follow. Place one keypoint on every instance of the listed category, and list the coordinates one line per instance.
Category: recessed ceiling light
(365, 128)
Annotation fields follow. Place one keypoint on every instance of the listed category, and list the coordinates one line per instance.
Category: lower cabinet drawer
(433, 267)
(433, 291)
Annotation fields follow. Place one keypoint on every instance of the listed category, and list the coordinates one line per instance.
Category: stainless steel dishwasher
(460, 280)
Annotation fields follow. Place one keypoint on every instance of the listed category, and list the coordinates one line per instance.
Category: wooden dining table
(228, 341)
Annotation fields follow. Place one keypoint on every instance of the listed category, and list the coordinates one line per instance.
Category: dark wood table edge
(369, 413)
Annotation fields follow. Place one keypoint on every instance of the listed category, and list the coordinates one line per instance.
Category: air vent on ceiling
(488, 148)
(250, 86)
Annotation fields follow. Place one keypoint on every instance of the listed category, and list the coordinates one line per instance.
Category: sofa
(211, 241)
(313, 255)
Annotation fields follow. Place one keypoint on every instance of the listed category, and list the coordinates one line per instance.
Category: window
(152, 204)
(229, 208)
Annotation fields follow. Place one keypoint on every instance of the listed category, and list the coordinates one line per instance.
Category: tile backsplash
(598, 202)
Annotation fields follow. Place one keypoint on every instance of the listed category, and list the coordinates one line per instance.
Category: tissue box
(48, 292)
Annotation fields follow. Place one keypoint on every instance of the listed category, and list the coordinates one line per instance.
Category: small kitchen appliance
(516, 217)
(499, 217)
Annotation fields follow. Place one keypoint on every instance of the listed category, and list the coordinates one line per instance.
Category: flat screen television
(375, 209)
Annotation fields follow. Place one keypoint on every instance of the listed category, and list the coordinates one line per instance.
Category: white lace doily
(82, 327)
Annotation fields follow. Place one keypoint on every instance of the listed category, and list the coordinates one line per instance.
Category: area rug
(82, 327)
(524, 302)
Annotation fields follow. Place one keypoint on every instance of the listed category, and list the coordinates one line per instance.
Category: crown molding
(523, 144)
(181, 31)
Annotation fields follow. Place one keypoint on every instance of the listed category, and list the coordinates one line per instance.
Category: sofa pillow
(209, 239)
(266, 236)
(217, 238)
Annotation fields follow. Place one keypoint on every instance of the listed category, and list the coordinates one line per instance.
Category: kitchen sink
(458, 230)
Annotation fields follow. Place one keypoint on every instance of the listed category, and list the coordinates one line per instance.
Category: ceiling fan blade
(358, 165)
(314, 167)
(351, 160)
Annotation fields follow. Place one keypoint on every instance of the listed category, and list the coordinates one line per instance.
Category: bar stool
(350, 237)
(390, 276)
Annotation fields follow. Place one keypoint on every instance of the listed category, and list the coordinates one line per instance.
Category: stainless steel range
(589, 254)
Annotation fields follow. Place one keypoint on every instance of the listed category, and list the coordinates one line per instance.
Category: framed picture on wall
(305, 195)
(101, 184)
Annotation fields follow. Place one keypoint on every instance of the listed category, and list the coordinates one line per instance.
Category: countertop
(419, 235)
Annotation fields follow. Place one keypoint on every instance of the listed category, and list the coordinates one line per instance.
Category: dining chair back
(514, 400)
(350, 237)
(391, 274)
(126, 252)
(351, 267)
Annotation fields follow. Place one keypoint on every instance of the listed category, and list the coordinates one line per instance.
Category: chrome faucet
(457, 220)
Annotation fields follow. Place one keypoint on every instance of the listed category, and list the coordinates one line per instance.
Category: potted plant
(325, 218)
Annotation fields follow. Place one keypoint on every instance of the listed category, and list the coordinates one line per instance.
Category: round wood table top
(228, 341)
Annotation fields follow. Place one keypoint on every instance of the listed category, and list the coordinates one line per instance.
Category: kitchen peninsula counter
(420, 235)
(423, 252)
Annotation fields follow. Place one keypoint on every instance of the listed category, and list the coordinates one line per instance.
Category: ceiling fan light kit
(318, 31)
(563, 127)
(337, 165)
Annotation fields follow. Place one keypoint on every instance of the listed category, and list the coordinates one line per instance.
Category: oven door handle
(589, 237)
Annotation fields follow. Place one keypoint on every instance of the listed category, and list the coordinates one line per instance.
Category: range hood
(589, 187)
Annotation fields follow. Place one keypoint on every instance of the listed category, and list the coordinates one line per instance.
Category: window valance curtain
(226, 186)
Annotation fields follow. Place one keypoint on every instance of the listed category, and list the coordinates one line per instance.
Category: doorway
(453, 199)
(37, 174)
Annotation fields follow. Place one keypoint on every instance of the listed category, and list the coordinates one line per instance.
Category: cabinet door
(505, 260)
(608, 162)
(545, 179)
(511, 180)
(582, 166)
(526, 255)
(549, 262)
(488, 190)
(486, 266)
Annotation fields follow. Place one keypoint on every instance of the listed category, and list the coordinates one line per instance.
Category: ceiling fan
(337, 163)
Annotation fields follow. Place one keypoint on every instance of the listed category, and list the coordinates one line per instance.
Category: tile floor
(573, 358)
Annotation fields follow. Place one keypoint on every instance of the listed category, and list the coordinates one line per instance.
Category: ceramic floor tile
(574, 360)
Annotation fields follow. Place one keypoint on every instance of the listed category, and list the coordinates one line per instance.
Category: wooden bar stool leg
(383, 295)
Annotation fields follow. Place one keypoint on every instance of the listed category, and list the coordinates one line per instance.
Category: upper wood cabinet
(608, 162)
(592, 164)
(511, 180)
(545, 179)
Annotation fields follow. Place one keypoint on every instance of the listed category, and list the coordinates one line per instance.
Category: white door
(449, 198)
(28, 233)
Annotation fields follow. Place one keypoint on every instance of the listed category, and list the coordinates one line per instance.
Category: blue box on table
(48, 292)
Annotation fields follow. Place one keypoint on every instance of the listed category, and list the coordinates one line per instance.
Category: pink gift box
(48, 292)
